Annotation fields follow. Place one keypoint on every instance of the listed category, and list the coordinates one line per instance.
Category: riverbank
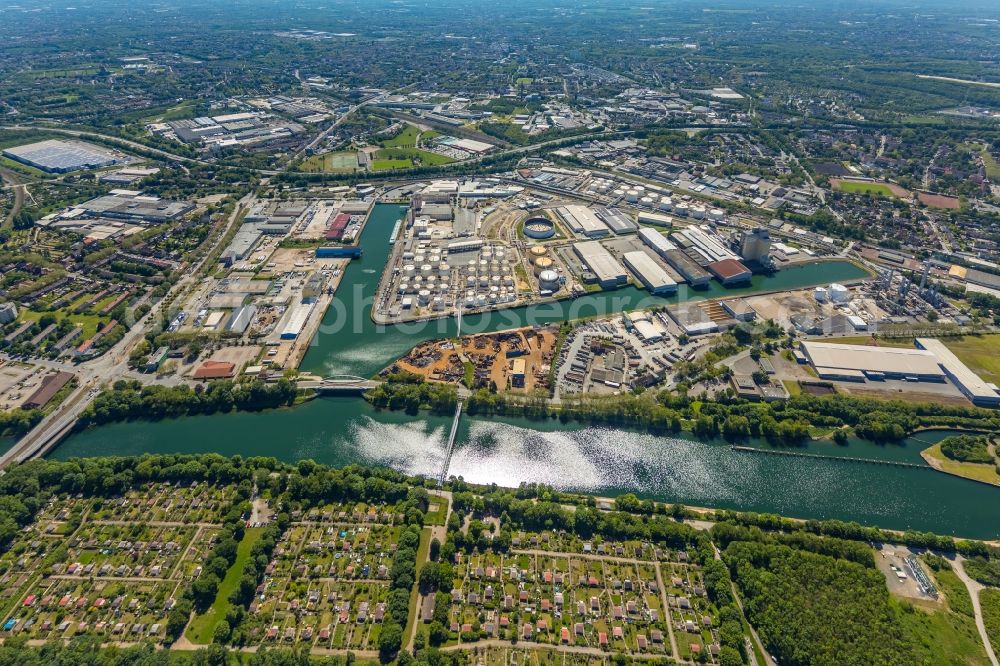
(981, 473)
(715, 292)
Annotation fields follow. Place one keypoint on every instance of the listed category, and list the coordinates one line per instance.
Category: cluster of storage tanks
(835, 293)
(543, 267)
(641, 196)
(486, 279)
(599, 186)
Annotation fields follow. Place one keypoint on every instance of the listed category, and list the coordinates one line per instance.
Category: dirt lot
(238, 356)
(287, 260)
(939, 201)
(439, 360)
(12, 392)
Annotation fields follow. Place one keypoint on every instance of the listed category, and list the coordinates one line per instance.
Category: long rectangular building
(688, 268)
(650, 273)
(968, 382)
(860, 362)
(705, 244)
(617, 221)
(583, 221)
(608, 273)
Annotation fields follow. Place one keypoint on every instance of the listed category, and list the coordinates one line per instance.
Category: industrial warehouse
(929, 361)
(55, 156)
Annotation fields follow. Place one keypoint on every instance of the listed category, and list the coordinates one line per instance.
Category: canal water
(340, 431)
(349, 342)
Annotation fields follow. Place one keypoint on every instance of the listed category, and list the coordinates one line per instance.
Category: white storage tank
(698, 212)
(480, 300)
(821, 294)
(508, 281)
(681, 209)
(484, 280)
(666, 203)
(548, 280)
(409, 270)
(647, 201)
(839, 293)
(632, 196)
(426, 270)
(495, 280)
(470, 281)
(716, 214)
(423, 296)
(403, 286)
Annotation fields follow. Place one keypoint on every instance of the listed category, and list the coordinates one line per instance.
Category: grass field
(342, 161)
(945, 637)
(423, 551)
(979, 352)
(882, 342)
(404, 158)
(405, 139)
(990, 600)
(89, 322)
(977, 471)
(389, 165)
(855, 187)
(202, 627)
(992, 166)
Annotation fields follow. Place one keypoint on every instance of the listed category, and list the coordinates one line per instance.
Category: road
(112, 365)
(974, 587)
(14, 183)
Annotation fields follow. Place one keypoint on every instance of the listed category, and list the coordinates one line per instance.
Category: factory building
(297, 321)
(582, 221)
(133, 206)
(656, 241)
(756, 245)
(704, 247)
(650, 273)
(729, 271)
(859, 362)
(969, 383)
(617, 221)
(598, 261)
(656, 219)
(688, 269)
(242, 319)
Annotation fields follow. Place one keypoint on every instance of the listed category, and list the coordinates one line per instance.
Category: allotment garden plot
(327, 584)
(558, 590)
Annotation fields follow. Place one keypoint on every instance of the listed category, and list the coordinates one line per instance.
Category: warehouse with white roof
(583, 221)
(608, 273)
(969, 383)
(860, 362)
(649, 272)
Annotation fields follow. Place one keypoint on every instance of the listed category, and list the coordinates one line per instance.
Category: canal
(340, 431)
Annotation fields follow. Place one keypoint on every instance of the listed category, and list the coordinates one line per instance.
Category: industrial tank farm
(539, 228)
